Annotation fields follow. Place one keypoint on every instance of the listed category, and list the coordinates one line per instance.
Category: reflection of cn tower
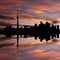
(17, 29)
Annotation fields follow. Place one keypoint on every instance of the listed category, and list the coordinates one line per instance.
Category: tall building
(17, 21)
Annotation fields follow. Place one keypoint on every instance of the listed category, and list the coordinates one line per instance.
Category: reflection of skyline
(29, 42)
(45, 31)
(7, 44)
(28, 48)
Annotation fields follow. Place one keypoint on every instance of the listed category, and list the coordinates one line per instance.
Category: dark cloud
(55, 1)
(43, 2)
(5, 24)
(53, 15)
(35, 1)
(55, 22)
(5, 45)
(6, 3)
(6, 17)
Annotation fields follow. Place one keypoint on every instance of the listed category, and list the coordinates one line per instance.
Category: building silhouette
(43, 31)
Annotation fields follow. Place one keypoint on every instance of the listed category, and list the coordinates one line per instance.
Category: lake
(29, 48)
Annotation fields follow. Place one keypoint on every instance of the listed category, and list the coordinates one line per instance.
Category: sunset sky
(30, 11)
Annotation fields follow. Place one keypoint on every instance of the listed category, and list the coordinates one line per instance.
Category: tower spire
(17, 20)
(17, 30)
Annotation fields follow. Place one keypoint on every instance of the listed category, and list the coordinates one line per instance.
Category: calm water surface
(29, 49)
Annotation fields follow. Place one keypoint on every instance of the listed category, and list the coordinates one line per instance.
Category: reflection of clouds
(6, 56)
(26, 44)
(6, 39)
(43, 55)
(6, 44)
(33, 55)
(58, 43)
(55, 40)
(47, 46)
(31, 51)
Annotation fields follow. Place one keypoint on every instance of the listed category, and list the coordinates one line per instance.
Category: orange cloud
(30, 18)
(41, 8)
(32, 9)
(44, 55)
(5, 56)
(58, 19)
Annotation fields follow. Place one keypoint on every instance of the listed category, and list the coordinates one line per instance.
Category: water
(29, 49)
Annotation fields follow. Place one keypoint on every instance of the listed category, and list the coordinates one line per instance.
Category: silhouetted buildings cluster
(43, 31)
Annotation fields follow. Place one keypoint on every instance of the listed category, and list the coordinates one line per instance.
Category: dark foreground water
(29, 49)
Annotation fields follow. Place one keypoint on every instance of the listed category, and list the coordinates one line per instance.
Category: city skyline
(29, 29)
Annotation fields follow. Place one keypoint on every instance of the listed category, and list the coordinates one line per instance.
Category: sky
(30, 11)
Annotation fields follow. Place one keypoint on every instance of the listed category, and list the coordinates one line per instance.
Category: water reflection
(5, 45)
(29, 48)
